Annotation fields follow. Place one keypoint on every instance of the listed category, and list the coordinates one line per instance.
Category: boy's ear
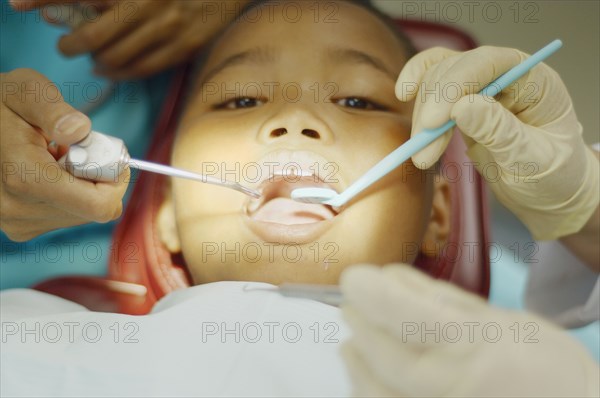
(167, 225)
(438, 227)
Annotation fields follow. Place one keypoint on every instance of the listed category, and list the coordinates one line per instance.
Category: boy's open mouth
(276, 205)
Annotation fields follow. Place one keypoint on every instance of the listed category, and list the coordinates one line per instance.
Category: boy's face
(311, 86)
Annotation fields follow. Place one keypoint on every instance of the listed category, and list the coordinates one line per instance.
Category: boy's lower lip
(288, 234)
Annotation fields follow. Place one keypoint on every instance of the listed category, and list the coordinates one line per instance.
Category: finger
(15, 131)
(23, 221)
(449, 81)
(160, 59)
(533, 97)
(430, 91)
(41, 178)
(499, 134)
(63, 14)
(38, 101)
(57, 151)
(428, 156)
(100, 5)
(164, 56)
(473, 71)
(101, 202)
(111, 25)
(22, 232)
(138, 41)
(412, 74)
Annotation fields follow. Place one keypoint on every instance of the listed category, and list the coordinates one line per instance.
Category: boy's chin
(282, 233)
(284, 266)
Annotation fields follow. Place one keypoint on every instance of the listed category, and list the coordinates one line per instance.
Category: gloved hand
(36, 194)
(413, 336)
(527, 142)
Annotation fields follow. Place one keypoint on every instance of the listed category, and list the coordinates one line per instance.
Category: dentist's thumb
(38, 101)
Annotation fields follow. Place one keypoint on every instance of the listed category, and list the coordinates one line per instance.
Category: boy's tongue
(283, 210)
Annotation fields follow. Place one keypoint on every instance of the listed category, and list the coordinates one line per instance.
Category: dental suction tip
(313, 195)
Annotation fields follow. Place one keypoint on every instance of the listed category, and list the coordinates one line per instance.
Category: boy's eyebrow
(259, 55)
(263, 55)
(357, 56)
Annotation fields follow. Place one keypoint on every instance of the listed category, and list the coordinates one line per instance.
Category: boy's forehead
(350, 33)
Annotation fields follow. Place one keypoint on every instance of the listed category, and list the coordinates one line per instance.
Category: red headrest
(140, 258)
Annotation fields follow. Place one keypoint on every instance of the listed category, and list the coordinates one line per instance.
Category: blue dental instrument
(418, 142)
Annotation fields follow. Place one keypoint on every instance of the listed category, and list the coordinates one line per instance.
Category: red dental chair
(141, 270)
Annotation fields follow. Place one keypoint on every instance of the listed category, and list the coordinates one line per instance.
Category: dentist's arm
(36, 194)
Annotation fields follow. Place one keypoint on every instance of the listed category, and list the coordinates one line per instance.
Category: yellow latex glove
(413, 336)
(526, 143)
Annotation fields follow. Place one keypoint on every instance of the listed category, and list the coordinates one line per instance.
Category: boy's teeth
(293, 172)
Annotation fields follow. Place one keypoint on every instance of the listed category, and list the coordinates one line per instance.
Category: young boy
(302, 103)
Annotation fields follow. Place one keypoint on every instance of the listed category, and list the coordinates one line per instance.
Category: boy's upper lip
(287, 161)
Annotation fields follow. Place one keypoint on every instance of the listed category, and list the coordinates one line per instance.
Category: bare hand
(138, 38)
(36, 194)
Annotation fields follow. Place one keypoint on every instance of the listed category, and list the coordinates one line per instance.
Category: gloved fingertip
(420, 162)
(428, 156)
(407, 84)
(406, 90)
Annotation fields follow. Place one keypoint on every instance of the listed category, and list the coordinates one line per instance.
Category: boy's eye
(359, 103)
(240, 103)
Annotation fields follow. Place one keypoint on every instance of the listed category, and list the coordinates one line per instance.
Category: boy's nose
(278, 132)
(295, 123)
